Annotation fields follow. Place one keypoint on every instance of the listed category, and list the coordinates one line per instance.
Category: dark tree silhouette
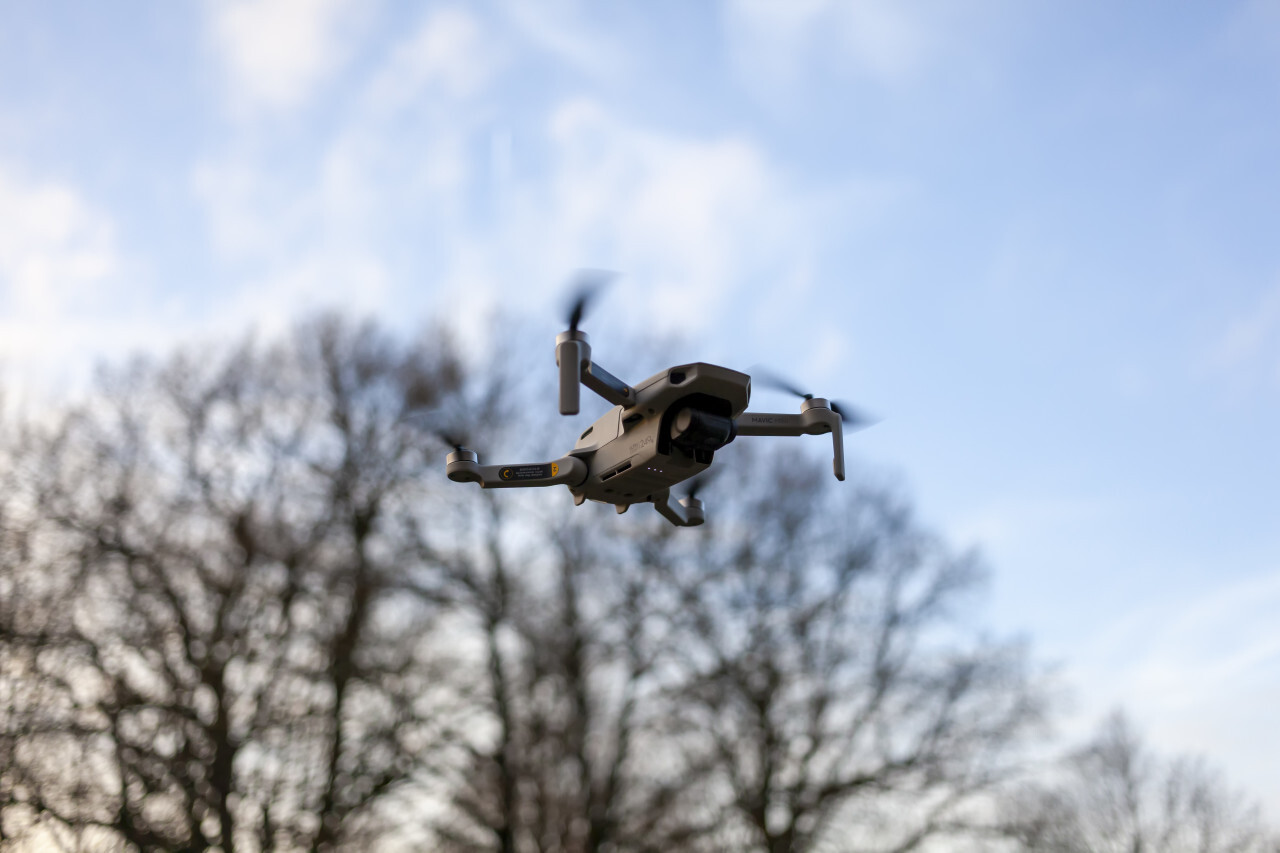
(574, 691)
(785, 678)
(840, 703)
(220, 620)
(1114, 794)
(242, 608)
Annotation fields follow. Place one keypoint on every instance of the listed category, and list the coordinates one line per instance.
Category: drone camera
(693, 430)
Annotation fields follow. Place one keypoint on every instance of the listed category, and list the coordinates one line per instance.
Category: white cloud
(688, 219)
(248, 213)
(557, 27)
(449, 53)
(53, 247)
(58, 258)
(272, 301)
(311, 235)
(692, 219)
(885, 40)
(404, 135)
(276, 51)
(292, 246)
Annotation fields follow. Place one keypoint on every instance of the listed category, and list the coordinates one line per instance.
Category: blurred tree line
(241, 608)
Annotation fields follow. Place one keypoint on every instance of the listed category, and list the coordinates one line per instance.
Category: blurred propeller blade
(699, 482)
(451, 436)
(586, 286)
(852, 417)
(452, 439)
(769, 379)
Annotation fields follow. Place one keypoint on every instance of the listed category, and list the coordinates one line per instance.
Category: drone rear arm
(462, 466)
(815, 418)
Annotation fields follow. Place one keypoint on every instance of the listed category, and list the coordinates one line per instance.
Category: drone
(659, 433)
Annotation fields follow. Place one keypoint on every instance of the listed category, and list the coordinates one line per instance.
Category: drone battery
(694, 429)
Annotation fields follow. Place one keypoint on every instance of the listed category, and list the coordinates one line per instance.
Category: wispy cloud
(779, 45)
(58, 255)
(690, 221)
(450, 54)
(559, 28)
(320, 229)
(1186, 666)
(53, 246)
(691, 217)
(276, 52)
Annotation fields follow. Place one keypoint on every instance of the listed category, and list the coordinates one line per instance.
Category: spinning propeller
(451, 439)
(852, 418)
(586, 286)
(573, 351)
(700, 482)
(457, 442)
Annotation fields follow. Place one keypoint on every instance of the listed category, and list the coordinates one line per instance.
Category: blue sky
(1037, 239)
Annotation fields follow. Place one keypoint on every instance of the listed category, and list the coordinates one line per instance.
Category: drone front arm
(814, 419)
(463, 466)
(607, 385)
(573, 356)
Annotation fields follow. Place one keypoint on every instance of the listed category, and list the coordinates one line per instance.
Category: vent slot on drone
(615, 472)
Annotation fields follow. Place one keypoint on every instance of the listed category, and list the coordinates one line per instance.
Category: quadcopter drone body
(658, 434)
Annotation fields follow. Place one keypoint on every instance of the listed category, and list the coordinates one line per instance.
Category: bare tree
(244, 610)
(825, 679)
(785, 678)
(224, 619)
(1115, 795)
(570, 690)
